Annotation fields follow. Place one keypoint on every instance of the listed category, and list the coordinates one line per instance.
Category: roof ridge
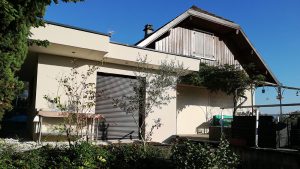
(195, 8)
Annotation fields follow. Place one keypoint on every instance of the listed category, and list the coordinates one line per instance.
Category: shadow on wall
(63, 61)
(197, 96)
(188, 96)
(196, 106)
(67, 62)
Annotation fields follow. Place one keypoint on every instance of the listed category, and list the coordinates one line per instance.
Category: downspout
(252, 101)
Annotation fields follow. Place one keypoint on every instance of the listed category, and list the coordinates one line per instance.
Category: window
(203, 45)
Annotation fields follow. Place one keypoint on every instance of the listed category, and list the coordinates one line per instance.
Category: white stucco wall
(192, 107)
(197, 105)
(51, 67)
(167, 114)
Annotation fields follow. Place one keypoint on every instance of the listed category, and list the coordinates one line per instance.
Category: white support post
(40, 129)
(222, 120)
(256, 128)
(92, 129)
(97, 129)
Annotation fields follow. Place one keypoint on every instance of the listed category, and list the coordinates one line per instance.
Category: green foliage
(56, 157)
(85, 155)
(11, 159)
(6, 154)
(191, 155)
(16, 19)
(224, 157)
(188, 155)
(79, 156)
(133, 156)
(226, 78)
(29, 159)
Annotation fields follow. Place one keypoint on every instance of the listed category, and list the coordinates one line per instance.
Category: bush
(29, 159)
(56, 157)
(224, 157)
(188, 155)
(192, 155)
(11, 159)
(6, 154)
(81, 155)
(133, 156)
(86, 155)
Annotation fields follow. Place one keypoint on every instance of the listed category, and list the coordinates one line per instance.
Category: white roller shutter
(110, 87)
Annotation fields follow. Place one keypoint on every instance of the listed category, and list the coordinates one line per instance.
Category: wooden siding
(186, 42)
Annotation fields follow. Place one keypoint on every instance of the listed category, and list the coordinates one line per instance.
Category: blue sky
(273, 26)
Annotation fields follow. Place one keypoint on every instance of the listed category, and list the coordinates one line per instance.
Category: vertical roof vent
(148, 30)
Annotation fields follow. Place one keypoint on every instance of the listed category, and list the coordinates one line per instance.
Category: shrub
(56, 157)
(192, 155)
(81, 155)
(29, 159)
(134, 156)
(224, 157)
(86, 155)
(11, 159)
(188, 155)
(6, 154)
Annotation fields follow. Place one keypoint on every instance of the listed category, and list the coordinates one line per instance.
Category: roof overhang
(68, 41)
(245, 53)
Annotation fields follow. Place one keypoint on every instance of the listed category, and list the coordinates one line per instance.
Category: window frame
(203, 56)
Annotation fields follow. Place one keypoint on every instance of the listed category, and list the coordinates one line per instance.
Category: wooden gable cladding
(178, 41)
(205, 46)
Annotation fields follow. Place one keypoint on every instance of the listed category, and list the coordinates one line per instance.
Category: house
(194, 37)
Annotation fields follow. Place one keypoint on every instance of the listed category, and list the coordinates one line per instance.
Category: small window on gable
(203, 45)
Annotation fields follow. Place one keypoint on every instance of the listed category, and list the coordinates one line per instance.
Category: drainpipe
(256, 129)
(280, 101)
(257, 116)
(280, 116)
(252, 101)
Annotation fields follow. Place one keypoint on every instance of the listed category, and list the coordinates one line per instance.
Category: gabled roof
(230, 32)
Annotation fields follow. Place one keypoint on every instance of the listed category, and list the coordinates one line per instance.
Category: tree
(75, 99)
(150, 91)
(229, 79)
(16, 19)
